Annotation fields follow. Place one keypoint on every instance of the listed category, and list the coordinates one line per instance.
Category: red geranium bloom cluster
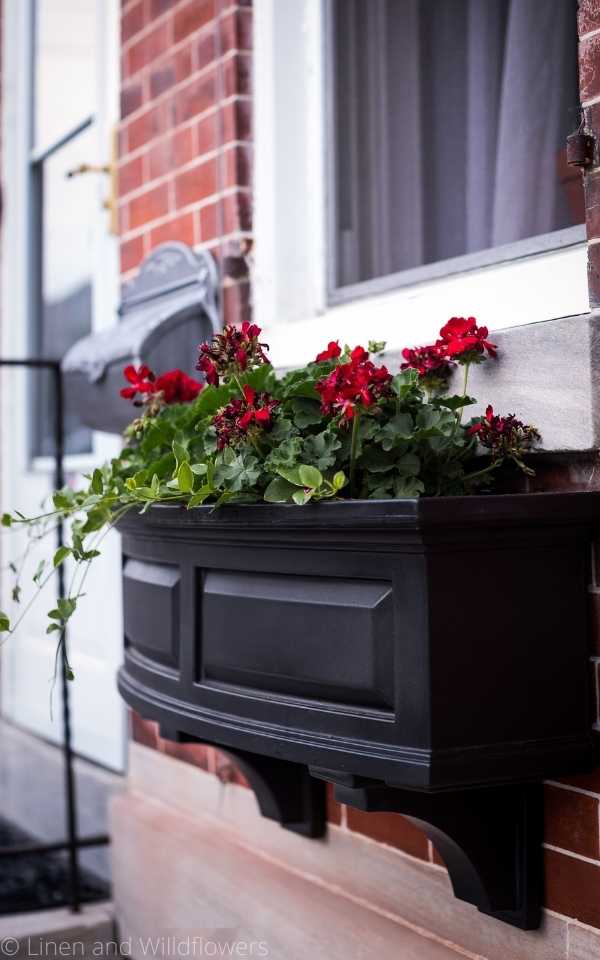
(231, 352)
(429, 361)
(172, 387)
(234, 421)
(504, 436)
(332, 352)
(463, 339)
(358, 383)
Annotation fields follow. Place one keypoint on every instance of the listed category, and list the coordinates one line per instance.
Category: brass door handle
(111, 202)
(88, 168)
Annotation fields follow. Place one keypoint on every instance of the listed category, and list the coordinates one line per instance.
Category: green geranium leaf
(408, 487)
(453, 403)
(320, 449)
(306, 412)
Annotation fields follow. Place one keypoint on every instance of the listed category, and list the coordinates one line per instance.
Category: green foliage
(405, 443)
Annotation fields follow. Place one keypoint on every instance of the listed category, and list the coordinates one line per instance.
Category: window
(448, 125)
(63, 208)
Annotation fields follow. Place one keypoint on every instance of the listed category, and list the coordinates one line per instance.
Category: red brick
(198, 183)
(147, 126)
(191, 17)
(572, 887)
(589, 68)
(143, 731)
(236, 302)
(235, 31)
(195, 98)
(131, 99)
(571, 821)
(206, 132)
(148, 206)
(209, 222)
(132, 254)
(238, 166)
(237, 75)
(334, 809)
(171, 71)
(588, 18)
(237, 212)
(168, 154)
(158, 7)
(132, 21)
(391, 829)
(237, 120)
(179, 228)
(205, 49)
(196, 754)
(130, 176)
(585, 781)
(144, 51)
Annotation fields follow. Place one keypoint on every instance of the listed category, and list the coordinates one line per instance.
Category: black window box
(408, 651)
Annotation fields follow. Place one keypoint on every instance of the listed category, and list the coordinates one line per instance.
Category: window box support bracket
(490, 838)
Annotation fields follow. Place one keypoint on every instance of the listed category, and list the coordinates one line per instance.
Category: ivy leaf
(61, 554)
(301, 496)
(7, 520)
(53, 628)
(279, 491)
(97, 482)
(291, 474)
(199, 469)
(16, 593)
(63, 499)
(310, 476)
(199, 497)
(4, 623)
(39, 571)
(155, 485)
(185, 478)
(339, 480)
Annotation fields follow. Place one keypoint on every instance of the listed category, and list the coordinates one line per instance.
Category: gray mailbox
(167, 310)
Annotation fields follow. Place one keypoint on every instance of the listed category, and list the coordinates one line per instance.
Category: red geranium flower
(463, 339)
(172, 387)
(331, 353)
(358, 383)
(429, 362)
(504, 436)
(177, 387)
(240, 416)
(141, 380)
(231, 353)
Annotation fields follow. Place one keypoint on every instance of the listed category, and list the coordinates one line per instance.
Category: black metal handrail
(73, 843)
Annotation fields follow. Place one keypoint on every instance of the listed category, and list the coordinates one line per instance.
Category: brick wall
(185, 174)
(185, 133)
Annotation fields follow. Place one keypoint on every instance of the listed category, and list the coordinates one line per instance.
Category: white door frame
(16, 327)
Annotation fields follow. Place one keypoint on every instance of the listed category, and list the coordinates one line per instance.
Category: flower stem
(482, 473)
(464, 393)
(353, 450)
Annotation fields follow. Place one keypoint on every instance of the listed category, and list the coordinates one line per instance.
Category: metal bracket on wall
(490, 838)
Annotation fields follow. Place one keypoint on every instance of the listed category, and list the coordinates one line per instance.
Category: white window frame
(527, 282)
